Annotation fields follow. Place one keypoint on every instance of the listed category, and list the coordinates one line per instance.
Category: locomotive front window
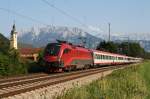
(66, 51)
(52, 49)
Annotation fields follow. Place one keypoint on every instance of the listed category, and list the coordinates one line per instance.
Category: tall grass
(144, 70)
(121, 84)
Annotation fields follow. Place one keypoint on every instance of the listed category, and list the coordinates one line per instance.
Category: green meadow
(129, 83)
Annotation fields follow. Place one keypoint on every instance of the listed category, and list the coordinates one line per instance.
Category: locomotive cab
(52, 55)
(65, 57)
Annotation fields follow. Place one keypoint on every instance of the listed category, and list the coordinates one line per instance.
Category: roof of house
(29, 50)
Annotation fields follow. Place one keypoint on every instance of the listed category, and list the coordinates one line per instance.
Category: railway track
(13, 86)
(21, 77)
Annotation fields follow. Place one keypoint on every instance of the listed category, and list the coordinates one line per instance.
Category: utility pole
(109, 31)
(128, 45)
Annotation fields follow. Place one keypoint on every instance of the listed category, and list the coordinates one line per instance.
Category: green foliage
(4, 44)
(131, 49)
(107, 46)
(9, 59)
(38, 66)
(122, 84)
(10, 66)
(40, 58)
(126, 48)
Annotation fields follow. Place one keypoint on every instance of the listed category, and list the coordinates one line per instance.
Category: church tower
(13, 38)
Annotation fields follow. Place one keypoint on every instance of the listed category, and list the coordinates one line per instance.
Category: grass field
(144, 71)
(130, 83)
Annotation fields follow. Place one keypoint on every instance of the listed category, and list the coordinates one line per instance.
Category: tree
(4, 44)
(9, 59)
(126, 48)
(107, 46)
(14, 54)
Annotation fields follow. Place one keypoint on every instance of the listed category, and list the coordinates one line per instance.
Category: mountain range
(45, 35)
(50, 34)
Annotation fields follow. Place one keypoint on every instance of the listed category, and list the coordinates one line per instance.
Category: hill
(4, 44)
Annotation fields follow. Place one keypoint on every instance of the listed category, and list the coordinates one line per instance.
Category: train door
(66, 56)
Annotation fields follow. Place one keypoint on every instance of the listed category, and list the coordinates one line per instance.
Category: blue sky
(125, 16)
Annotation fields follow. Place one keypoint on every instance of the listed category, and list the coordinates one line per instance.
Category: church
(26, 53)
(13, 38)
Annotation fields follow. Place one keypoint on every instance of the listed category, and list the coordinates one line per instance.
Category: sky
(125, 16)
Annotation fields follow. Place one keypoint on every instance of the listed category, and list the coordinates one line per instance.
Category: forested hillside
(4, 44)
(9, 59)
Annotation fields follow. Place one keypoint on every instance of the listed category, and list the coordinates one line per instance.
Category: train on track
(64, 56)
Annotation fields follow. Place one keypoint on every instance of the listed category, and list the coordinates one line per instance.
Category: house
(30, 53)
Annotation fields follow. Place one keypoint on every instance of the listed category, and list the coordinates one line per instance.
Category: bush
(10, 66)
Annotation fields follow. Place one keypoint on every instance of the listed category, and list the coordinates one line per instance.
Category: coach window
(101, 57)
(104, 57)
(96, 56)
(107, 57)
(114, 58)
(111, 57)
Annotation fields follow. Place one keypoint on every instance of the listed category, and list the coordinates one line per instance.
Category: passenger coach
(106, 58)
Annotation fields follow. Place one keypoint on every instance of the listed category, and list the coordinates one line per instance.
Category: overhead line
(23, 16)
(64, 13)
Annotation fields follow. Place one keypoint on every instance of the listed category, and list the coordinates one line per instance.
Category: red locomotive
(63, 56)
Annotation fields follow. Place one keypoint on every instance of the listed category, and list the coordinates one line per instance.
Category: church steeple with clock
(13, 38)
